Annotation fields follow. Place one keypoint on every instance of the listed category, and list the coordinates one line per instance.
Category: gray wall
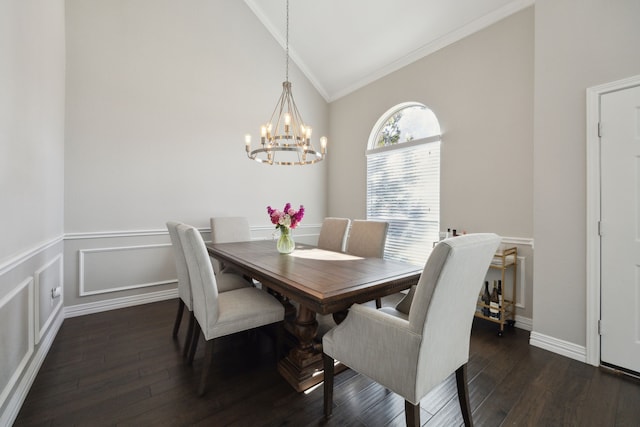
(32, 66)
(578, 45)
(481, 90)
(159, 98)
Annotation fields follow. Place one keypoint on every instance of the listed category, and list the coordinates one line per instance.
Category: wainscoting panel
(16, 335)
(112, 269)
(48, 295)
(28, 320)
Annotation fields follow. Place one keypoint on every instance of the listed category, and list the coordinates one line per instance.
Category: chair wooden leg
(279, 339)
(194, 344)
(187, 340)
(176, 324)
(412, 414)
(206, 367)
(328, 384)
(463, 395)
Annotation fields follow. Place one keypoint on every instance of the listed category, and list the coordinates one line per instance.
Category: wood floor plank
(123, 368)
(494, 409)
(595, 411)
(628, 409)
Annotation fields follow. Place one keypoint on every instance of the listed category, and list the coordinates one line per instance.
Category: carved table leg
(304, 360)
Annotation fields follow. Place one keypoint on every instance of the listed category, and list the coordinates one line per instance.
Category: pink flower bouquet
(286, 218)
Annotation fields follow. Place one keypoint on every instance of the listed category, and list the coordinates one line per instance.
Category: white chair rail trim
(13, 262)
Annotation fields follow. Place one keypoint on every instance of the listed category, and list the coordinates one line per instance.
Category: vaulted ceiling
(342, 45)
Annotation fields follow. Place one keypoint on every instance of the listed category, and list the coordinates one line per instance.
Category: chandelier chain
(287, 69)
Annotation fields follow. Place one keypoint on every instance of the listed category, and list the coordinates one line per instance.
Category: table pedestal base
(302, 367)
(302, 378)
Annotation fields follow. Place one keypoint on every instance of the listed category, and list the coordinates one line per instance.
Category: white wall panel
(47, 279)
(105, 270)
(28, 320)
(16, 335)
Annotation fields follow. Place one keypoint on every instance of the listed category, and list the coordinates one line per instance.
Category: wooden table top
(324, 281)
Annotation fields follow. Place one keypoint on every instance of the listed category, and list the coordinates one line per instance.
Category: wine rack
(503, 260)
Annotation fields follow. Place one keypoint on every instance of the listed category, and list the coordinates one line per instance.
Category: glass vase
(285, 244)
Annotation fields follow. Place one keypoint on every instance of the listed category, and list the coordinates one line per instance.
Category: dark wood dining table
(320, 282)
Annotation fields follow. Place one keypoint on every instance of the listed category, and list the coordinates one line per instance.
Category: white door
(620, 228)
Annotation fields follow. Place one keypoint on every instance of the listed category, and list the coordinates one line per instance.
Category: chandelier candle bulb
(287, 123)
(247, 142)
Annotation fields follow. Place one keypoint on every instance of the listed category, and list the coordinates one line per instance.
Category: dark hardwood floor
(123, 368)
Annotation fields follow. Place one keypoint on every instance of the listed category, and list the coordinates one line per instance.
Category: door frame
(593, 212)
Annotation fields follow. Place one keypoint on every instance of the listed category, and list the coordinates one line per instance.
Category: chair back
(203, 281)
(333, 234)
(367, 238)
(225, 229)
(444, 304)
(184, 283)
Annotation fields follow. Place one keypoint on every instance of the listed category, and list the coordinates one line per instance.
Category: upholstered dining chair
(222, 313)
(185, 299)
(225, 229)
(367, 239)
(333, 234)
(413, 347)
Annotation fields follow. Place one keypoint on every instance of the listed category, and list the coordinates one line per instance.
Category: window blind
(403, 188)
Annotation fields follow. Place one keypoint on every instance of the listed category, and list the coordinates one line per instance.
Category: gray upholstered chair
(367, 239)
(413, 347)
(333, 234)
(225, 229)
(184, 285)
(221, 313)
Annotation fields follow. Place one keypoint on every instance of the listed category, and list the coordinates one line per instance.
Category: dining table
(311, 281)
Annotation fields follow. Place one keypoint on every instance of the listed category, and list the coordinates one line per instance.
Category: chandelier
(286, 139)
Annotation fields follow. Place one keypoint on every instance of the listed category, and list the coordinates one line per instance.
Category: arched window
(403, 180)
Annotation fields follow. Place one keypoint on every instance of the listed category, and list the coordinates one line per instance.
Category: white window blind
(403, 188)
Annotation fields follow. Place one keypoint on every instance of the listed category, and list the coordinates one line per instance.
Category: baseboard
(18, 396)
(558, 346)
(524, 323)
(115, 303)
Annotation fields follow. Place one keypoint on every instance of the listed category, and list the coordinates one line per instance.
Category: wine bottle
(494, 307)
(486, 298)
(500, 293)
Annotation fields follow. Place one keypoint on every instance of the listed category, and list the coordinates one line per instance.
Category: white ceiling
(342, 45)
